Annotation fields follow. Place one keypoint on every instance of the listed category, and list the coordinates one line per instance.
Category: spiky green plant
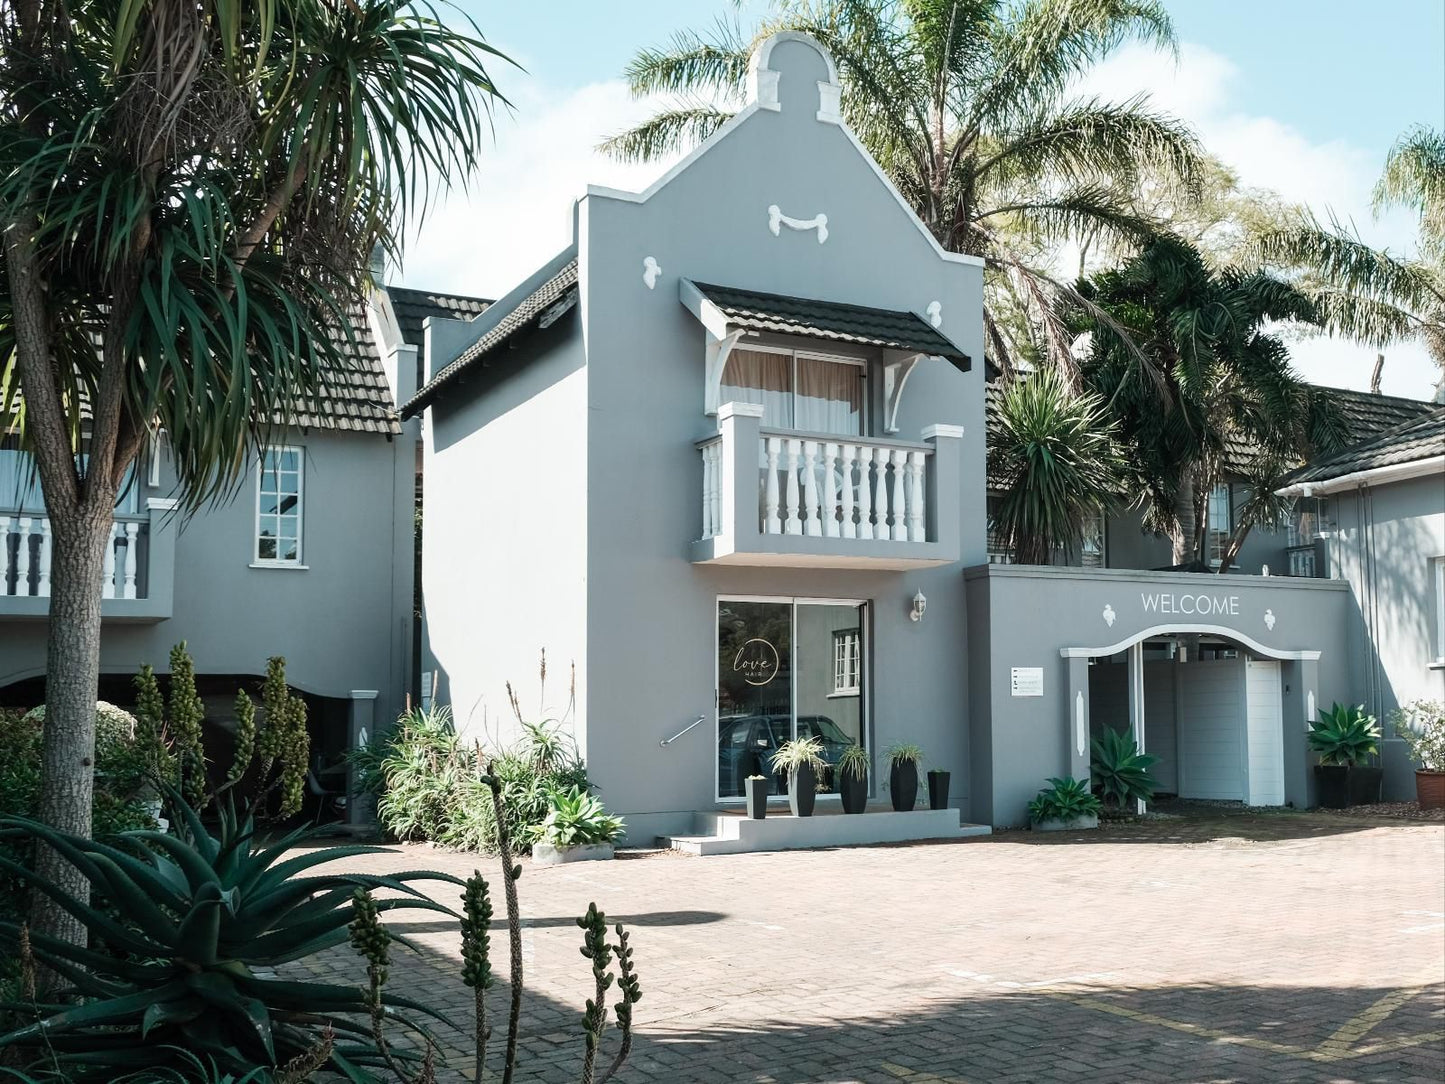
(186, 717)
(1344, 735)
(853, 762)
(578, 818)
(1053, 457)
(1118, 771)
(204, 917)
(1063, 800)
(904, 753)
(805, 752)
(477, 962)
(150, 731)
(245, 749)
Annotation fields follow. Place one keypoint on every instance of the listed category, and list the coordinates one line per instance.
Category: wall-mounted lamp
(919, 605)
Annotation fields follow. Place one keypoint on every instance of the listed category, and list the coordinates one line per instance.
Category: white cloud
(1331, 177)
(517, 212)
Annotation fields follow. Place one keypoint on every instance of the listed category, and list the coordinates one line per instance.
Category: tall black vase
(938, 790)
(802, 790)
(903, 785)
(854, 791)
(757, 790)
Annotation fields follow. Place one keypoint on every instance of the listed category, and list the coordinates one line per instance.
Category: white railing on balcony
(25, 547)
(829, 488)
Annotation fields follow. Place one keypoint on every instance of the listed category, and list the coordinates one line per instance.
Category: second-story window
(810, 392)
(1221, 521)
(278, 506)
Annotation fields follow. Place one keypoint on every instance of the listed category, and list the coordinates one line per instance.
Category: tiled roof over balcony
(830, 320)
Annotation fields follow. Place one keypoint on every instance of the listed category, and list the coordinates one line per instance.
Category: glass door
(787, 668)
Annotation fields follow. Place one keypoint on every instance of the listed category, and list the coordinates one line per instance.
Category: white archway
(1189, 629)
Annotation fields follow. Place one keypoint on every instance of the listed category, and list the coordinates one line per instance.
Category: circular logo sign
(757, 661)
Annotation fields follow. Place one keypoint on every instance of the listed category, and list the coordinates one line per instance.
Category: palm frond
(665, 133)
(1414, 177)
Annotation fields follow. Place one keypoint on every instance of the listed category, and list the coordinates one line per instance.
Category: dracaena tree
(969, 107)
(1374, 296)
(1201, 391)
(189, 194)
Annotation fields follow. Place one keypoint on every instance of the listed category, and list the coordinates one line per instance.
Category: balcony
(808, 500)
(138, 572)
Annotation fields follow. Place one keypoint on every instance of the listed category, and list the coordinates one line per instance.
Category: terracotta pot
(1430, 789)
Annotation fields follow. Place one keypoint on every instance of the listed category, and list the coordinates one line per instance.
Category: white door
(1265, 730)
(1211, 729)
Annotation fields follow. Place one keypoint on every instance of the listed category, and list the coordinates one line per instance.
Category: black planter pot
(757, 792)
(903, 785)
(802, 790)
(1362, 784)
(854, 792)
(938, 790)
(1332, 786)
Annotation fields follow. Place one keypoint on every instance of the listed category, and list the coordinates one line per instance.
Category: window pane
(760, 376)
(266, 549)
(287, 549)
(267, 504)
(830, 397)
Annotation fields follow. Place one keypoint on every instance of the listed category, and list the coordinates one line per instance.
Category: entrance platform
(728, 832)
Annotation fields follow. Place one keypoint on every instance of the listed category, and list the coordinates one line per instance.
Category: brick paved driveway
(1242, 948)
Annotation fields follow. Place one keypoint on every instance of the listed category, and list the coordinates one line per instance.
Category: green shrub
(206, 918)
(1421, 724)
(1345, 735)
(1120, 772)
(1063, 800)
(577, 818)
(428, 781)
(854, 762)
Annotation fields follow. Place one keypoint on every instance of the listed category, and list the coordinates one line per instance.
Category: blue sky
(1301, 96)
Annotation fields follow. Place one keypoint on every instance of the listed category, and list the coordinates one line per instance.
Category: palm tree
(1371, 295)
(966, 105)
(190, 191)
(1053, 455)
(1199, 390)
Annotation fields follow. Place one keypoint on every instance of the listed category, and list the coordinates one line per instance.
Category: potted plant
(1065, 804)
(1345, 738)
(576, 829)
(1119, 771)
(1421, 724)
(757, 791)
(937, 788)
(903, 761)
(801, 760)
(852, 773)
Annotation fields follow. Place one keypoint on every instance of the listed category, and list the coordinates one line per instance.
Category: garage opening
(1209, 708)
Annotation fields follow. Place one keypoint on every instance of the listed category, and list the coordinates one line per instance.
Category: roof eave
(1372, 476)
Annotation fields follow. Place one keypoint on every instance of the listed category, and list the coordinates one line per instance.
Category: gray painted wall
(1025, 740)
(343, 623)
(1381, 542)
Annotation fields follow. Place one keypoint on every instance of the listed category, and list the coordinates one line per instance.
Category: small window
(812, 393)
(1221, 522)
(847, 662)
(1439, 563)
(278, 507)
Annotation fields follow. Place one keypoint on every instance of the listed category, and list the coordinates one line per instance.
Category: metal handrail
(697, 722)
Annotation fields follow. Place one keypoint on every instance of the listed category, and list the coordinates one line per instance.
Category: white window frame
(1214, 558)
(810, 355)
(1439, 589)
(847, 662)
(257, 561)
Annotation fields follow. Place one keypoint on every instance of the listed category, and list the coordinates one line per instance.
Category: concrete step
(734, 834)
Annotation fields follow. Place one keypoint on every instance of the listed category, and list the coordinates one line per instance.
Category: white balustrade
(712, 488)
(26, 555)
(849, 491)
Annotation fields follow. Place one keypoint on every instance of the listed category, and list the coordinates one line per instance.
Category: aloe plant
(1344, 735)
(1063, 800)
(1120, 772)
(577, 818)
(203, 916)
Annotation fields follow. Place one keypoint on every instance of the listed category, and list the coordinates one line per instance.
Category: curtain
(760, 376)
(830, 397)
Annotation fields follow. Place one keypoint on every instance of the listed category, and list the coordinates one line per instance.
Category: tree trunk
(72, 674)
(1183, 538)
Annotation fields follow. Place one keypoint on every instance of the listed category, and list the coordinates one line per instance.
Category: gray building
(309, 559)
(725, 455)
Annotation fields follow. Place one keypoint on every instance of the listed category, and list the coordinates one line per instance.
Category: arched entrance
(1211, 702)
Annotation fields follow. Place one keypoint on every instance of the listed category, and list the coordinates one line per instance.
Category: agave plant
(577, 818)
(1120, 772)
(1345, 735)
(203, 916)
(1063, 800)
